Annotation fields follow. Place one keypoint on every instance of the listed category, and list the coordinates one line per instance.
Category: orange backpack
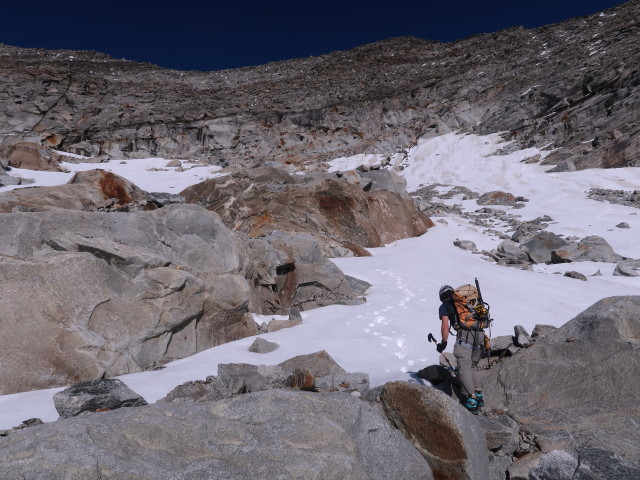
(472, 313)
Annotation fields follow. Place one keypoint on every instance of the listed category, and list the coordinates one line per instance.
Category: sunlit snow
(387, 336)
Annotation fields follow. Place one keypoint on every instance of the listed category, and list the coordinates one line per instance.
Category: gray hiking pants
(468, 352)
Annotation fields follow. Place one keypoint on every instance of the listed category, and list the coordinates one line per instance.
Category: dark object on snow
(105, 394)
(435, 374)
(576, 275)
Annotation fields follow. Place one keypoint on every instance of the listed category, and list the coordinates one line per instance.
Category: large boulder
(540, 246)
(92, 294)
(28, 155)
(290, 270)
(86, 191)
(448, 436)
(269, 434)
(259, 201)
(590, 249)
(577, 386)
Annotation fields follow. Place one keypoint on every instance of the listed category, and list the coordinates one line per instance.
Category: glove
(441, 346)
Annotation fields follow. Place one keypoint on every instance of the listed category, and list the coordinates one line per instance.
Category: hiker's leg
(476, 356)
(463, 356)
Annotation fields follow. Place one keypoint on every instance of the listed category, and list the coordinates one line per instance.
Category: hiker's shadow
(441, 378)
(416, 379)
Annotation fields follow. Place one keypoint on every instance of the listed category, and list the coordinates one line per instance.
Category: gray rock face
(289, 270)
(115, 293)
(512, 251)
(105, 394)
(570, 85)
(448, 436)
(556, 465)
(560, 405)
(501, 433)
(384, 179)
(271, 434)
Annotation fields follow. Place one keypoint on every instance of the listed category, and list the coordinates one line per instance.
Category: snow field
(386, 337)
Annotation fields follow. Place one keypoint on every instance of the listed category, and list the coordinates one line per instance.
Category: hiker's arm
(444, 328)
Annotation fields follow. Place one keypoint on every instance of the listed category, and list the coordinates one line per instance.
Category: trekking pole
(431, 338)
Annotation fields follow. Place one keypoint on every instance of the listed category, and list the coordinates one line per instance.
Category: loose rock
(95, 395)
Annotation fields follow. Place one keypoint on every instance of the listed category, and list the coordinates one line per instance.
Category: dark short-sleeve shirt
(442, 311)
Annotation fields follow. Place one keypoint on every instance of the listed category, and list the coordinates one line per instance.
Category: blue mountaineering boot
(471, 405)
(479, 399)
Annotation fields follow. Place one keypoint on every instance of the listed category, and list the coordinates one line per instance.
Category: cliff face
(570, 86)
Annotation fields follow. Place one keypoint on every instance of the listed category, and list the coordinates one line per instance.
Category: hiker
(469, 346)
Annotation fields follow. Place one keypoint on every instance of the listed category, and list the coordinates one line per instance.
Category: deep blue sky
(213, 35)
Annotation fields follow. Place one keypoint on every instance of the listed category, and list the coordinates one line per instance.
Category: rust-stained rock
(111, 186)
(267, 199)
(86, 191)
(302, 380)
(447, 436)
(497, 198)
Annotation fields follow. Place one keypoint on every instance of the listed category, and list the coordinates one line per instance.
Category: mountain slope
(570, 86)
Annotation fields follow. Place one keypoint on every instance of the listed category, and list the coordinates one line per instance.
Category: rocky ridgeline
(559, 405)
(569, 86)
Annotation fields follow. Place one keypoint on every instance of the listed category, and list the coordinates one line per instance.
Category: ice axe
(431, 338)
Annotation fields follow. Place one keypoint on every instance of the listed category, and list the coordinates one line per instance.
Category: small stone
(109, 393)
(576, 275)
(260, 345)
(623, 225)
(466, 245)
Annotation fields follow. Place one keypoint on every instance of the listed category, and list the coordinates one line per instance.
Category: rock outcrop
(575, 387)
(341, 215)
(86, 191)
(291, 270)
(442, 430)
(267, 434)
(111, 293)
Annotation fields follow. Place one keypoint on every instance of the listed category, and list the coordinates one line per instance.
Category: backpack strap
(452, 313)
